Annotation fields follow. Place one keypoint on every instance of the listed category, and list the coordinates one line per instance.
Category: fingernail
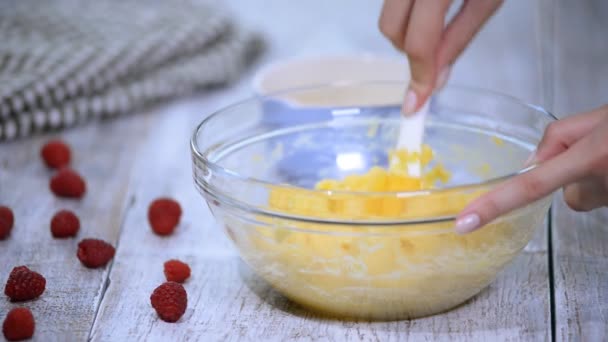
(409, 104)
(443, 77)
(467, 223)
(531, 160)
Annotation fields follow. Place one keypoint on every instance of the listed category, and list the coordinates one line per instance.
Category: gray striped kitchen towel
(64, 62)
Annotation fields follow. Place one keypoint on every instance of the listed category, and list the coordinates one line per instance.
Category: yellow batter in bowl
(372, 272)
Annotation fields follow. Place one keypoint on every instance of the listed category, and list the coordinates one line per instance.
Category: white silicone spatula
(411, 135)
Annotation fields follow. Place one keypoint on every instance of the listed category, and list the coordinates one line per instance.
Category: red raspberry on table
(67, 183)
(170, 301)
(55, 154)
(7, 220)
(176, 271)
(164, 215)
(19, 324)
(64, 224)
(94, 253)
(24, 284)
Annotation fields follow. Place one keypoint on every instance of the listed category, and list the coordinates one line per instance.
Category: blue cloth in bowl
(314, 153)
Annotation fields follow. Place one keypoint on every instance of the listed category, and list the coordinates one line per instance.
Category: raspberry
(177, 271)
(19, 324)
(24, 284)
(64, 224)
(67, 183)
(164, 215)
(55, 154)
(94, 253)
(7, 219)
(170, 301)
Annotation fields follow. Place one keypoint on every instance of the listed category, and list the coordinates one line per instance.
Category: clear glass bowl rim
(223, 172)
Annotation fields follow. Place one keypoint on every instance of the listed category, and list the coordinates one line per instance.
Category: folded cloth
(64, 62)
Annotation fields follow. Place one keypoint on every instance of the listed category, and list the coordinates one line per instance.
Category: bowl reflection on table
(362, 260)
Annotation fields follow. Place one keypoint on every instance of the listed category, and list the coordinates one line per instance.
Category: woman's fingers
(464, 26)
(521, 190)
(422, 38)
(591, 191)
(417, 27)
(587, 194)
(394, 20)
(562, 134)
(574, 155)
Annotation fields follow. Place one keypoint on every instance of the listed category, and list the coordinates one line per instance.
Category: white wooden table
(549, 52)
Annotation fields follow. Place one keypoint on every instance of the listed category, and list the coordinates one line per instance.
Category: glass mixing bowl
(372, 255)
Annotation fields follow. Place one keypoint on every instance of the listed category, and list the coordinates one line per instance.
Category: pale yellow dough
(378, 272)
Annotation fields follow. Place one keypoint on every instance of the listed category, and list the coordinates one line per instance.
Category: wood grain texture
(226, 301)
(138, 268)
(102, 154)
(580, 274)
(580, 241)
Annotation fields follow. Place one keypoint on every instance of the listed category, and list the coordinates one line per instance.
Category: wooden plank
(102, 152)
(125, 312)
(580, 274)
(580, 241)
(227, 302)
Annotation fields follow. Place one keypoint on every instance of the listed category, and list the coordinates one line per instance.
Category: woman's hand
(417, 27)
(572, 154)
